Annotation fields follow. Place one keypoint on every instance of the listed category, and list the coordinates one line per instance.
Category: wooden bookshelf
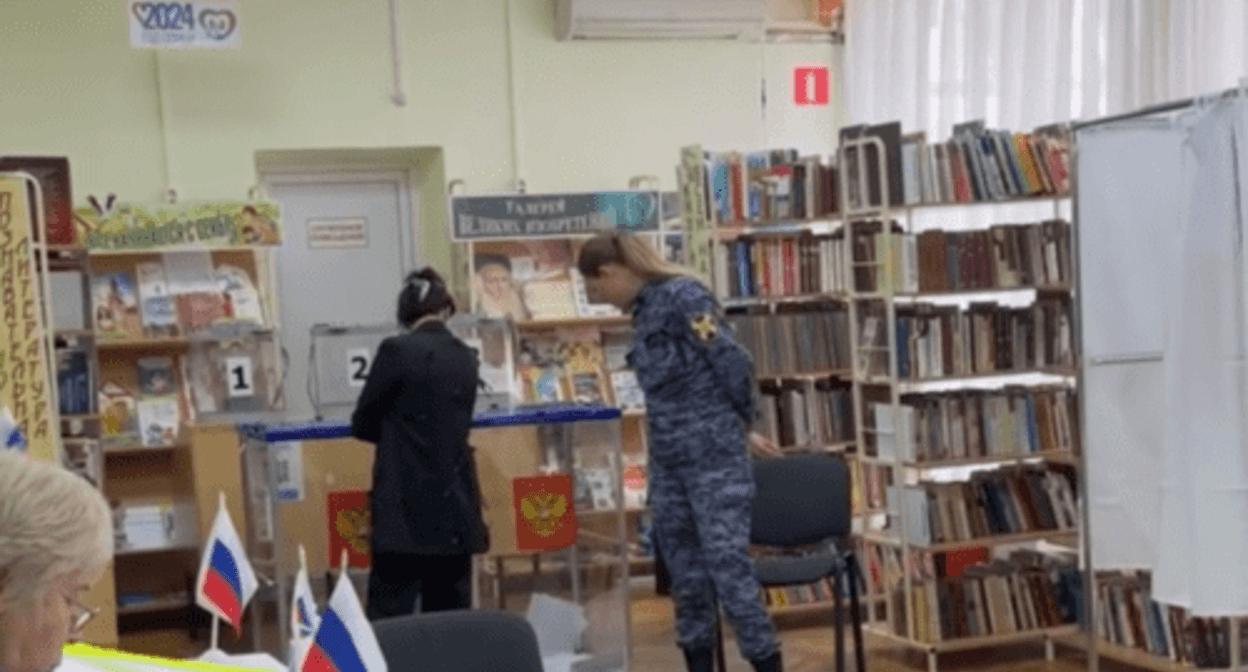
(575, 322)
(972, 643)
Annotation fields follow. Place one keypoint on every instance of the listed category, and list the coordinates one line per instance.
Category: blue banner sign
(501, 216)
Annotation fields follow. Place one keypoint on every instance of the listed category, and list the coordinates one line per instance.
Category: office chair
(459, 641)
(801, 500)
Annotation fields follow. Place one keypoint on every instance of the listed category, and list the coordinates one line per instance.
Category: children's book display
(531, 280)
(182, 294)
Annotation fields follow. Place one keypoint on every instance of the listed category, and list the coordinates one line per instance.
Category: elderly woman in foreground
(56, 539)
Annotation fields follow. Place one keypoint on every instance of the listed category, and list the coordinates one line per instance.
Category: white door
(348, 246)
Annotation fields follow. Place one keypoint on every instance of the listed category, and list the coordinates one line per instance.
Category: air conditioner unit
(659, 19)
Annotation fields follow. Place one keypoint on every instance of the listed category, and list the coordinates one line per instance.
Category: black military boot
(768, 664)
(700, 660)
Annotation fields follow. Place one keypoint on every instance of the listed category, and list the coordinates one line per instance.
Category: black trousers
(443, 582)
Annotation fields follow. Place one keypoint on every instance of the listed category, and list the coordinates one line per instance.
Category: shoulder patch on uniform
(705, 326)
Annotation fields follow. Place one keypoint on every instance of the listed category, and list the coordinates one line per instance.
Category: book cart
(1027, 453)
(510, 443)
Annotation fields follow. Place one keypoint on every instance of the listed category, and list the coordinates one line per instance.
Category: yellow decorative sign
(24, 386)
(195, 226)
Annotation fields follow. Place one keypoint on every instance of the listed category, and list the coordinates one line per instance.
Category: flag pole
(216, 631)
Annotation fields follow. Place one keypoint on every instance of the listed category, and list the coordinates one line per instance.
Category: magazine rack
(587, 580)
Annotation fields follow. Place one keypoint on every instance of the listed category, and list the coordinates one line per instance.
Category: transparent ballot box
(553, 499)
(559, 530)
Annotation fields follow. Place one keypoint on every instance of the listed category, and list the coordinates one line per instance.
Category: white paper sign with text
(211, 24)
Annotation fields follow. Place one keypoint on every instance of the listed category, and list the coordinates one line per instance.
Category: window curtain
(1026, 63)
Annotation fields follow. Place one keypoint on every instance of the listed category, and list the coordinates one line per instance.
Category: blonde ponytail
(630, 251)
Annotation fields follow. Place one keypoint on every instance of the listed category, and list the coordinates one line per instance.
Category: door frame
(409, 211)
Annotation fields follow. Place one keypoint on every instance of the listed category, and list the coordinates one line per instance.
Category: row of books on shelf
(935, 341)
(1003, 256)
(779, 266)
(1129, 617)
(582, 365)
(819, 592)
(976, 164)
(1010, 500)
(1012, 422)
(595, 487)
(182, 294)
(1003, 597)
(811, 338)
(768, 186)
(813, 416)
(868, 486)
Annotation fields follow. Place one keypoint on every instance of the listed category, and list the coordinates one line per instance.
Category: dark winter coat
(417, 407)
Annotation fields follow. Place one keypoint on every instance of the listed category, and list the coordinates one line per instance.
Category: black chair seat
(794, 570)
(459, 641)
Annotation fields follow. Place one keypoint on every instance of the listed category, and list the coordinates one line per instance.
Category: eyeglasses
(80, 615)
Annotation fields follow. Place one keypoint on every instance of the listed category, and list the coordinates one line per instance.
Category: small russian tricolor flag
(344, 640)
(302, 604)
(226, 580)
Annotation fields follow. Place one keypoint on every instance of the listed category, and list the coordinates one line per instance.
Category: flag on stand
(226, 580)
(302, 605)
(344, 640)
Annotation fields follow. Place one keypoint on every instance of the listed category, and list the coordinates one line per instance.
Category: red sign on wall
(810, 84)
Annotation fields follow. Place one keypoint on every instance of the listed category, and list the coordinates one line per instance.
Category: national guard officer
(700, 399)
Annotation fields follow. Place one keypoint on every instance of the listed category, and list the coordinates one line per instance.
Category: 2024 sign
(183, 24)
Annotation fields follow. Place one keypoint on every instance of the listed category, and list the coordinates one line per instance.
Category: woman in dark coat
(417, 407)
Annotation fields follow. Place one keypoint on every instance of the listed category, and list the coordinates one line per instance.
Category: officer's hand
(762, 446)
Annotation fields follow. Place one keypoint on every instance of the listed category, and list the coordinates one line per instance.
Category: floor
(806, 643)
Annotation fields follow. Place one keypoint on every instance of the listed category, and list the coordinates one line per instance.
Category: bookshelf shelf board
(101, 252)
(820, 448)
(1062, 457)
(606, 321)
(141, 343)
(1042, 198)
(734, 230)
(163, 603)
(996, 540)
(81, 416)
(803, 377)
(1125, 654)
(140, 450)
(1047, 289)
(73, 333)
(917, 385)
(148, 550)
(969, 643)
(60, 248)
(745, 301)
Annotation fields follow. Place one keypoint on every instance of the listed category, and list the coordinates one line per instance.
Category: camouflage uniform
(699, 398)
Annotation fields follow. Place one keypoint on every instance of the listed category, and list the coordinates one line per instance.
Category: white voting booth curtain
(1162, 276)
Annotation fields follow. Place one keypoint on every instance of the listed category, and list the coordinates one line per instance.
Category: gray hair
(53, 524)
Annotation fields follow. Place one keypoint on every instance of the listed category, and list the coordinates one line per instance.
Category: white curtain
(1019, 64)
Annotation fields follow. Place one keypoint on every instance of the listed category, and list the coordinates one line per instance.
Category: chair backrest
(800, 499)
(459, 641)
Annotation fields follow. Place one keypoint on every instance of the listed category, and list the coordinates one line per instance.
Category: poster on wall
(191, 226)
(202, 24)
(24, 386)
